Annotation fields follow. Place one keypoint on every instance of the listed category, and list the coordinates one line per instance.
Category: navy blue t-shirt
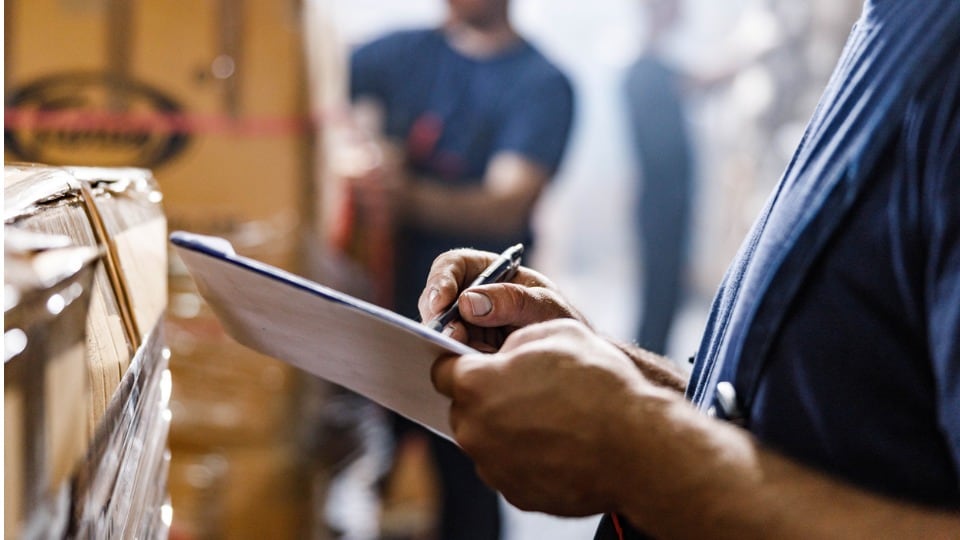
(844, 349)
(838, 324)
(454, 113)
(863, 380)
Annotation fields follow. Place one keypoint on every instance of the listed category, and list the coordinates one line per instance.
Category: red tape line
(86, 120)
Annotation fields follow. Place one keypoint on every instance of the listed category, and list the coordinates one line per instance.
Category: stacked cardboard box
(211, 96)
(118, 488)
(45, 390)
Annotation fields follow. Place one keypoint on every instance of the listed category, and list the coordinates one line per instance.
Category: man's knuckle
(519, 299)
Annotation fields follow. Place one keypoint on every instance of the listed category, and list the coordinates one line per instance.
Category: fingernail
(449, 329)
(434, 294)
(479, 304)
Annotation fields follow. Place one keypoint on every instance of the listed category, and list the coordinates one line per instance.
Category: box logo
(94, 119)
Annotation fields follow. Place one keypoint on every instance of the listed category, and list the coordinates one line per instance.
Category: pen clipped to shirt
(501, 269)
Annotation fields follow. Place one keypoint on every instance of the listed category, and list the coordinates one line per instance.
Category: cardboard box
(50, 200)
(250, 492)
(211, 96)
(118, 488)
(47, 291)
(128, 206)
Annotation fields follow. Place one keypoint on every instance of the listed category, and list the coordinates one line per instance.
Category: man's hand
(560, 421)
(375, 173)
(541, 417)
(489, 313)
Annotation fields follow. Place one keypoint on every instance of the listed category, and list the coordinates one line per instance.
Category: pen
(501, 269)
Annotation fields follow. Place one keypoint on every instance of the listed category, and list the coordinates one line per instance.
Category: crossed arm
(497, 206)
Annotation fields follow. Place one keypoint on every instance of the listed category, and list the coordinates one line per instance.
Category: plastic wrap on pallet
(50, 200)
(119, 488)
(47, 291)
(123, 478)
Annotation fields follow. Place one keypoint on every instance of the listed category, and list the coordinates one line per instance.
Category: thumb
(509, 304)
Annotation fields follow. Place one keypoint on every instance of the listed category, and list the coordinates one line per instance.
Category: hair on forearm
(659, 370)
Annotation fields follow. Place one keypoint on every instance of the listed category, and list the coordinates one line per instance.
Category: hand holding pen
(502, 268)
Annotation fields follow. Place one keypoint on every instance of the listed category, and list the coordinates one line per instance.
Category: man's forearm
(703, 478)
(659, 370)
(474, 211)
(497, 206)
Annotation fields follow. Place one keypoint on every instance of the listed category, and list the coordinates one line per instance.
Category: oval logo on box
(93, 119)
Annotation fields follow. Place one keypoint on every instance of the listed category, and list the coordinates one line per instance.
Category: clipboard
(373, 351)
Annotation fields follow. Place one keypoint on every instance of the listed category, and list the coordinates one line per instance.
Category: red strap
(616, 525)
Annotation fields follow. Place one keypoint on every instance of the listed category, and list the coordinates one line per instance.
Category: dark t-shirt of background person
(453, 113)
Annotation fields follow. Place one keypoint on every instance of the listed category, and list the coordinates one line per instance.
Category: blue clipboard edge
(221, 248)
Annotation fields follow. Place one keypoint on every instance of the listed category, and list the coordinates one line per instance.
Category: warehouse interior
(130, 411)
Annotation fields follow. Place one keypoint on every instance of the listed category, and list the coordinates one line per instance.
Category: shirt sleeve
(939, 151)
(538, 122)
(370, 66)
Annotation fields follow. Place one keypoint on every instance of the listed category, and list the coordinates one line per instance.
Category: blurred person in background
(662, 145)
(471, 122)
(825, 396)
(657, 91)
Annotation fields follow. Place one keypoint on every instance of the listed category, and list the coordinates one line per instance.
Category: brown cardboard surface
(65, 395)
(78, 23)
(50, 200)
(210, 95)
(246, 492)
(47, 293)
(225, 393)
(126, 203)
(13, 459)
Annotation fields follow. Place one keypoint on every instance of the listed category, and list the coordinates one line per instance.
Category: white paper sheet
(373, 351)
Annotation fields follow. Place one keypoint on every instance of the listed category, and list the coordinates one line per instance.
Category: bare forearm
(498, 206)
(704, 478)
(659, 370)
(474, 210)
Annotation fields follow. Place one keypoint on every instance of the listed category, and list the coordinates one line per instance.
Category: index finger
(449, 274)
(441, 374)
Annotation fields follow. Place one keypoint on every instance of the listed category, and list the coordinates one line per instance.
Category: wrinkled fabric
(838, 322)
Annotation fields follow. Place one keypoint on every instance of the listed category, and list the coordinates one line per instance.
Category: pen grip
(501, 269)
(489, 275)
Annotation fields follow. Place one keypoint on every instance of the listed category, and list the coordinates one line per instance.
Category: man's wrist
(659, 370)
